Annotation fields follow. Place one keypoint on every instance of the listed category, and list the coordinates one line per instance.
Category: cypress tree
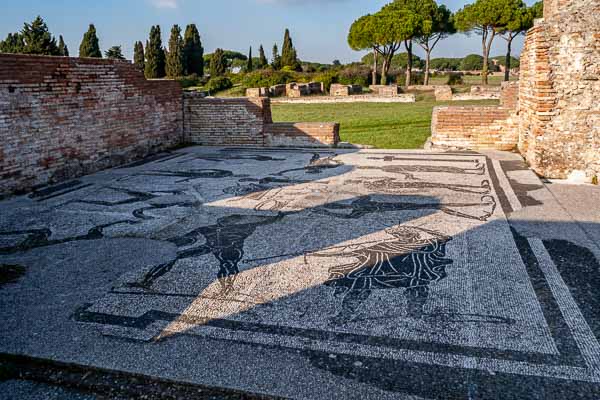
(63, 50)
(155, 55)
(89, 45)
(175, 60)
(262, 59)
(193, 51)
(218, 63)
(138, 55)
(114, 53)
(12, 44)
(249, 66)
(288, 53)
(276, 64)
(37, 39)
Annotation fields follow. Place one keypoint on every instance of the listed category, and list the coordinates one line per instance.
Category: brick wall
(64, 117)
(247, 121)
(560, 88)
(302, 134)
(225, 121)
(473, 127)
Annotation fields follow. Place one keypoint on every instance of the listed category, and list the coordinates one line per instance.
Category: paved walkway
(293, 273)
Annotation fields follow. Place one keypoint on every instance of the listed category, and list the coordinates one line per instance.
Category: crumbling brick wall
(560, 90)
(64, 117)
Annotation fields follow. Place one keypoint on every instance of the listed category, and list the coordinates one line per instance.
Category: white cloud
(165, 3)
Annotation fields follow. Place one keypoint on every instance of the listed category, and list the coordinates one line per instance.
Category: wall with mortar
(560, 90)
(478, 127)
(247, 121)
(64, 117)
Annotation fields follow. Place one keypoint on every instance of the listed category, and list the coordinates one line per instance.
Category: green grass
(383, 125)
(469, 80)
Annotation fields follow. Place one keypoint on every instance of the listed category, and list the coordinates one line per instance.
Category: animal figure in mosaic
(408, 170)
(224, 240)
(366, 205)
(413, 259)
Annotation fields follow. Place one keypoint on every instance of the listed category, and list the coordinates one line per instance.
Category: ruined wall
(247, 121)
(64, 117)
(225, 121)
(560, 90)
(478, 127)
(302, 134)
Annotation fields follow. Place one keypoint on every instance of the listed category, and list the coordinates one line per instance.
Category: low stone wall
(443, 93)
(385, 90)
(401, 98)
(258, 92)
(225, 121)
(302, 134)
(337, 89)
(63, 117)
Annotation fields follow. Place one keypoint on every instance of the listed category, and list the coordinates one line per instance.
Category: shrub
(354, 75)
(327, 78)
(267, 78)
(455, 79)
(218, 84)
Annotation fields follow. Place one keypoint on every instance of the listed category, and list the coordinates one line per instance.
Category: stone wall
(64, 117)
(337, 89)
(365, 98)
(560, 90)
(225, 121)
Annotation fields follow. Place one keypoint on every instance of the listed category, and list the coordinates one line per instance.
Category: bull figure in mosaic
(413, 259)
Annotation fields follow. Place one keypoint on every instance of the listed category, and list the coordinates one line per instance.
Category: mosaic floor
(392, 273)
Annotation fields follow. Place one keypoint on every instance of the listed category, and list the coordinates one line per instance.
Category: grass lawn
(383, 125)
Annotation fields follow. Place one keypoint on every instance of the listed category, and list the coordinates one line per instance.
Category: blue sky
(318, 27)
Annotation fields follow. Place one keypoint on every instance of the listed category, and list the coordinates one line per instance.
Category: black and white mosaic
(364, 257)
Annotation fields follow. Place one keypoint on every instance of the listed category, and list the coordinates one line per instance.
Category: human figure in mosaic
(413, 259)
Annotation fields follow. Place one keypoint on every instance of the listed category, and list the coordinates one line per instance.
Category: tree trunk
(484, 70)
(507, 61)
(427, 62)
(384, 68)
(408, 45)
(374, 78)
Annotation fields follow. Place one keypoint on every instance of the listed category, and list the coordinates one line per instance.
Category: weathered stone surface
(337, 89)
(560, 88)
(443, 93)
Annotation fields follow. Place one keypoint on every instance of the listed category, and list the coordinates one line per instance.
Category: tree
(89, 46)
(175, 59)
(155, 55)
(384, 32)
(437, 24)
(472, 62)
(486, 18)
(37, 39)
(12, 44)
(193, 51)
(518, 20)
(262, 58)
(218, 63)
(276, 63)
(336, 63)
(249, 66)
(138, 55)
(63, 50)
(114, 53)
(289, 57)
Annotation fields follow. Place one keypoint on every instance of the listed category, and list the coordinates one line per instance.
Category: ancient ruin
(556, 120)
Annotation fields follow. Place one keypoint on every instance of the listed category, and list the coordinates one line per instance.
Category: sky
(318, 27)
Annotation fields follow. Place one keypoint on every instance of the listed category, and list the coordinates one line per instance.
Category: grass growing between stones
(383, 125)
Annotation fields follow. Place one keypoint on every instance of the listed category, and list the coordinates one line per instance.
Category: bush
(328, 78)
(190, 80)
(267, 78)
(455, 79)
(218, 84)
(354, 75)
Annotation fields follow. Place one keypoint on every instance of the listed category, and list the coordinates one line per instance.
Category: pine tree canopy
(37, 39)
(155, 55)
(138, 55)
(114, 53)
(175, 59)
